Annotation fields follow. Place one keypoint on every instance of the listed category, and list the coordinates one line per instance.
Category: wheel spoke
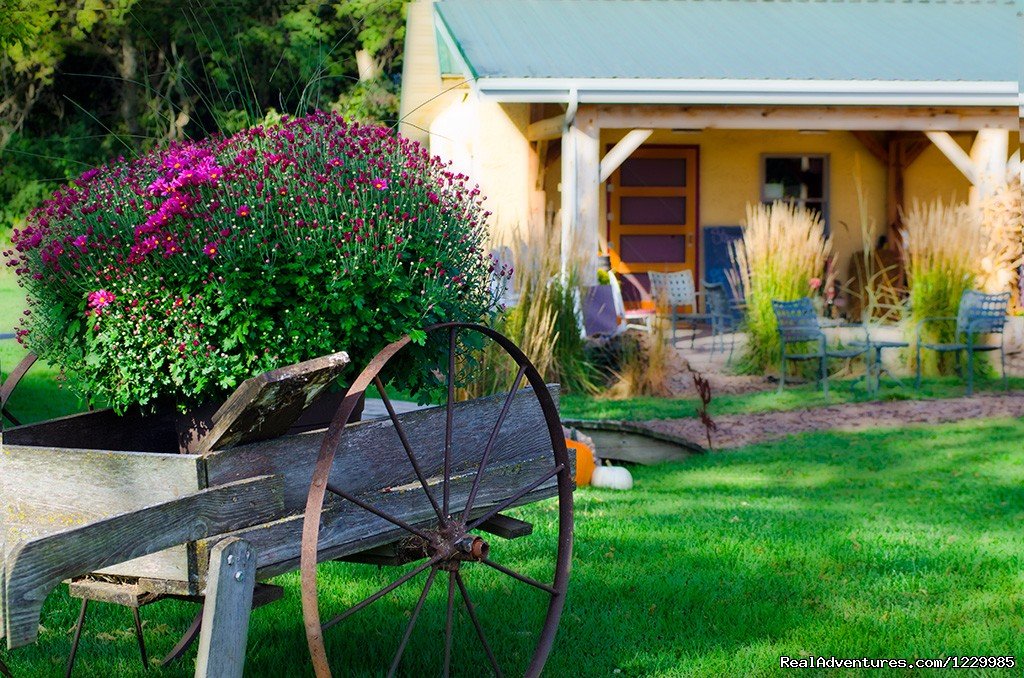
(494, 436)
(383, 592)
(448, 420)
(408, 449)
(521, 577)
(516, 497)
(377, 512)
(448, 625)
(476, 623)
(412, 623)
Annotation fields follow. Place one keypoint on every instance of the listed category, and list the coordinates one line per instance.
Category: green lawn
(904, 543)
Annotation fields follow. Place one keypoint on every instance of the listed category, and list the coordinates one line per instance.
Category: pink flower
(242, 211)
(815, 283)
(99, 299)
(433, 198)
(380, 183)
(210, 250)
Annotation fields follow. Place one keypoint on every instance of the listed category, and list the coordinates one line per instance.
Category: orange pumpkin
(584, 461)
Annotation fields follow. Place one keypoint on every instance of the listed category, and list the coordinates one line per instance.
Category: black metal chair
(978, 314)
(798, 324)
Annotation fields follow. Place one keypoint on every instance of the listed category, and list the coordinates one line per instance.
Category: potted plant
(167, 280)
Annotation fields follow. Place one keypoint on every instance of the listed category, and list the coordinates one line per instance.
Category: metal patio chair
(723, 314)
(675, 290)
(798, 324)
(979, 313)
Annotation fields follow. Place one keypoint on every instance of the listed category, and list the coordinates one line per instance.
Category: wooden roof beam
(622, 150)
(871, 142)
(956, 155)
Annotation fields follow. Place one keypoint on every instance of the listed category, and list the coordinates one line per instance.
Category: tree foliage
(84, 81)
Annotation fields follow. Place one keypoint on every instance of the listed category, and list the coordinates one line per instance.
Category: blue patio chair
(723, 315)
(798, 324)
(978, 314)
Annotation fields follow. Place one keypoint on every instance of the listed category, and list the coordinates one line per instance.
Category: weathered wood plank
(347, 528)
(265, 406)
(35, 567)
(225, 625)
(128, 594)
(45, 490)
(371, 455)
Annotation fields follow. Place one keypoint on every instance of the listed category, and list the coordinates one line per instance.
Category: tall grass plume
(783, 254)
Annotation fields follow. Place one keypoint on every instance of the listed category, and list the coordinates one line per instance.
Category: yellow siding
(421, 73)
(730, 176)
(499, 157)
(933, 176)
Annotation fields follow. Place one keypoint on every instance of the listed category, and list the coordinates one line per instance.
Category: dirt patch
(737, 430)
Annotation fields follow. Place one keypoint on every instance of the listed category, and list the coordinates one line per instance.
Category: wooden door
(652, 212)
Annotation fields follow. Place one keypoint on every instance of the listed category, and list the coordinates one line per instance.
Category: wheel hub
(454, 545)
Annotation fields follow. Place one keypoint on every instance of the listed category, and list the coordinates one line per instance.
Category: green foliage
(126, 76)
(942, 247)
(374, 100)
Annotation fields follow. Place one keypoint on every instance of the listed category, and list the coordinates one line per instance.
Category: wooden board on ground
(624, 441)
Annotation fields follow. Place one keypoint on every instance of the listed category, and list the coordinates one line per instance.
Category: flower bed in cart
(173, 277)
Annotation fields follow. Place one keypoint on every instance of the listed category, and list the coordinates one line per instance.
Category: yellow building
(643, 128)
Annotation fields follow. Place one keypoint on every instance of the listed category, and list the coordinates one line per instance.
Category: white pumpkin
(612, 478)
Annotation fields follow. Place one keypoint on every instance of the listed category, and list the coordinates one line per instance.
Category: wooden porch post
(581, 162)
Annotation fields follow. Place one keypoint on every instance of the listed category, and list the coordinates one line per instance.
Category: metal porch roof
(897, 47)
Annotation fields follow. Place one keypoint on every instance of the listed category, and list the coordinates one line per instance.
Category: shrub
(179, 274)
(544, 323)
(783, 255)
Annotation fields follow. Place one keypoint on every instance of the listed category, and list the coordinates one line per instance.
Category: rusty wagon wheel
(448, 540)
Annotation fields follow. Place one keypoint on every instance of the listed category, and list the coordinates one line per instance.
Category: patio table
(875, 366)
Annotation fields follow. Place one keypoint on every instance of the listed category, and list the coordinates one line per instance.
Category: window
(798, 179)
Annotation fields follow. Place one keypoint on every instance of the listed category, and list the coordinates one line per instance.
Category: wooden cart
(130, 509)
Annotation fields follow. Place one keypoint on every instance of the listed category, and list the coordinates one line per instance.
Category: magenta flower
(242, 211)
(210, 250)
(99, 299)
(380, 183)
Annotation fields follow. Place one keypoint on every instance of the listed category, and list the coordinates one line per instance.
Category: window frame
(824, 204)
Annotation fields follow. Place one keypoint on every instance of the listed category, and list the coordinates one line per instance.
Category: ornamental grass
(1002, 222)
(544, 323)
(176, 275)
(942, 247)
(783, 254)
